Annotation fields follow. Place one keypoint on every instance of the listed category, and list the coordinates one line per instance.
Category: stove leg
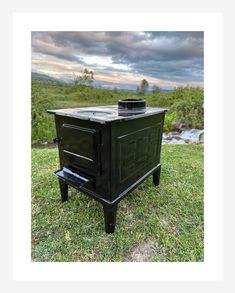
(156, 176)
(110, 212)
(63, 190)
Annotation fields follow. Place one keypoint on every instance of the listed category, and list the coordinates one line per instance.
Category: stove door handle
(57, 139)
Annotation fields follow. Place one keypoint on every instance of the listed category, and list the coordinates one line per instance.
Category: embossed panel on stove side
(135, 150)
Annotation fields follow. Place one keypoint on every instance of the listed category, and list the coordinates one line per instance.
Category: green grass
(170, 216)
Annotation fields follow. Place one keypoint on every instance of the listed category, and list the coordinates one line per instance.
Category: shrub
(41, 121)
(184, 104)
(169, 119)
(188, 104)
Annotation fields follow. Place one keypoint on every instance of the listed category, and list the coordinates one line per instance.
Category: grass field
(153, 224)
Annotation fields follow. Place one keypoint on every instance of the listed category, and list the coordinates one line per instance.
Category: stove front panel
(84, 147)
(80, 147)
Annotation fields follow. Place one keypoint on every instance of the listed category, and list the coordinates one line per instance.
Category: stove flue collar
(131, 106)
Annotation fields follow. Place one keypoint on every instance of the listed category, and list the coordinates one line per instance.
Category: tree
(156, 89)
(144, 85)
(87, 77)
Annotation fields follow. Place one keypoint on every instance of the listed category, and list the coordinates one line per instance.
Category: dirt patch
(144, 251)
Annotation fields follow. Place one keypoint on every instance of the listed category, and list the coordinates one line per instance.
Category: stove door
(80, 147)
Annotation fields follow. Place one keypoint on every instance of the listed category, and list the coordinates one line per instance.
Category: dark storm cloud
(164, 55)
(171, 53)
(173, 70)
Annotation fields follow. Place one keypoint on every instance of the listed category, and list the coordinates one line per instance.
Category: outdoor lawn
(153, 223)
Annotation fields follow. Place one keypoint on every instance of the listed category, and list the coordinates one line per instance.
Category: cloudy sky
(122, 59)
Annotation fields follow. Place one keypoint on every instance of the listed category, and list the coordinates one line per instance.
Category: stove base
(110, 207)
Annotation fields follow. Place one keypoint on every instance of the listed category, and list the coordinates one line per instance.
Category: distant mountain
(36, 75)
(97, 83)
(121, 87)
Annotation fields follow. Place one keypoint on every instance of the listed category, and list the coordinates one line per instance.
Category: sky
(122, 59)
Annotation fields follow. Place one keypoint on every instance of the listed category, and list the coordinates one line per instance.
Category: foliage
(185, 103)
(170, 216)
(169, 119)
(144, 85)
(86, 78)
(188, 104)
(48, 96)
(41, 121)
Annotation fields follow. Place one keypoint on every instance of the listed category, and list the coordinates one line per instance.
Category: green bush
(169, 119)
(188, 104)
(161, 100)
(184, 104)
(42, 123)
(46, 95)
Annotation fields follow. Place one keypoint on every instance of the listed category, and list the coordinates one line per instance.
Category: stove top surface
(103, 114)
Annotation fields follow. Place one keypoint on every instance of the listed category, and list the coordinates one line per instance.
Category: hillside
(185, 104)
(43, 77)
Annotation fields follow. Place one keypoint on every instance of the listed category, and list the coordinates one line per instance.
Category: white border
(23, 24)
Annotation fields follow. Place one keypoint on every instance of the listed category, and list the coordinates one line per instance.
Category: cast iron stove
(107, 151)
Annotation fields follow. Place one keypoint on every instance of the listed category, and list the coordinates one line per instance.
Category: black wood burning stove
(107, 151)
